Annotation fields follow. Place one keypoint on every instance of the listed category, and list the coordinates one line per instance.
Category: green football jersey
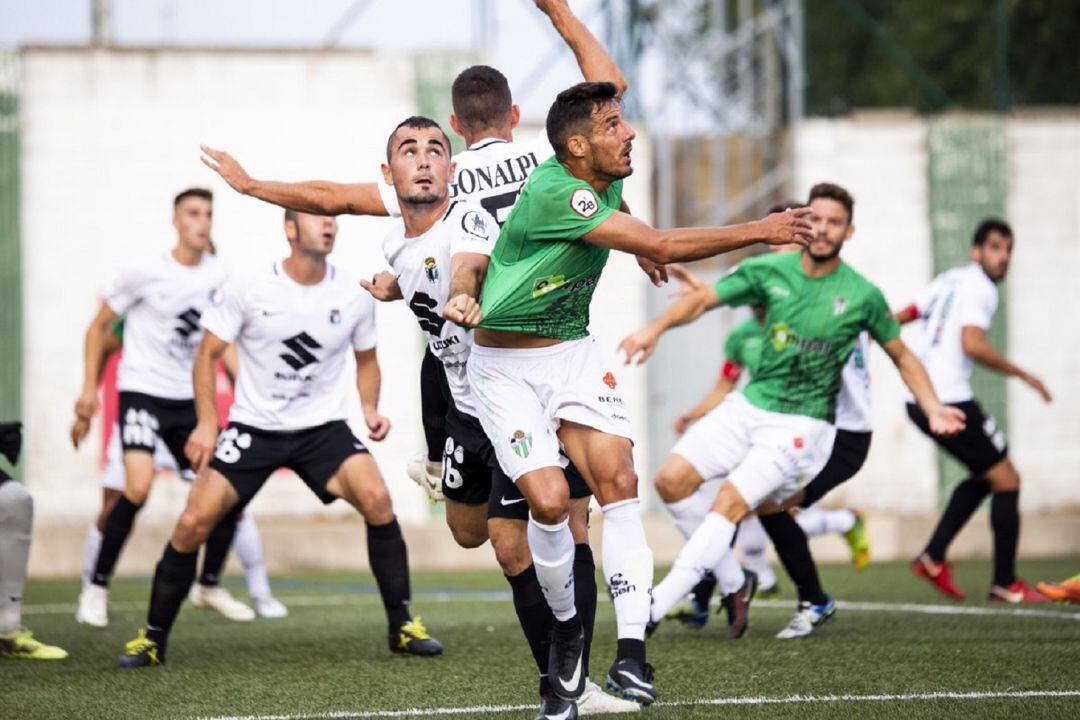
(811, 325)
(743, 346)
(542, 274)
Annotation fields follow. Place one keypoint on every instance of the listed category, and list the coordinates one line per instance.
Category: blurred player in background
(779, 429)
(16, 529)
(954, 313)
(293, 323)
(162, 298)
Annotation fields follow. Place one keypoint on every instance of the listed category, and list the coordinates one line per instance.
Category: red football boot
(938, 575)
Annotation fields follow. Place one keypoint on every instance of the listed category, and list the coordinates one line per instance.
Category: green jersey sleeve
(881, 324)
(565, 208)
(742, 286)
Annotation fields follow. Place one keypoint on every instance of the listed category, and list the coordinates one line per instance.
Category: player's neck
(420, 217)
(305, 269)
(506, 134)
(186, 255)
(583, 171)
(814, 269)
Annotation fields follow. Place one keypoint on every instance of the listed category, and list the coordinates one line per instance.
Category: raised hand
(226, 166)
(790, 227)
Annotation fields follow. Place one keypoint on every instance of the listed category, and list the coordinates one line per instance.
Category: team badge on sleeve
(584, 202)
(521, 443)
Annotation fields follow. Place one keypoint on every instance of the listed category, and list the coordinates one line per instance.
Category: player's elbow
(661, 250)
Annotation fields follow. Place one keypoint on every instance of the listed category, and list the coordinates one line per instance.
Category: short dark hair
(417, 122)
(987, 226)
(833, 191)
(203, 193)
(290, 215)
(481, 97)
(785, 205)
(573, 108)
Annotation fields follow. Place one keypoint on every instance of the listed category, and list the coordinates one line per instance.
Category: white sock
(752, 542)
(552, 548)
(816, 522)
(729, 574)
(248, 547)
(91, 548)
(16, 524)
(704, 551)
(689, 512)
(628, 567)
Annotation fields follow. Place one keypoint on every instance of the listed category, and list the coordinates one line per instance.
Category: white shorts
(765, 455)
(522, 395)
(112, 477)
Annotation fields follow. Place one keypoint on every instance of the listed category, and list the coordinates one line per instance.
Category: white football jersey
(162, 302)
(292, 341)
(422, 266)
(954, 299)
(853, 410)
(491, 174)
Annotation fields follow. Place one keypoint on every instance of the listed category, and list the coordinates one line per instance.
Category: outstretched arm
(628, 234)
(639, 346)
(317, 197)
(977, 347)
(595, 63)
(944, 420)
(200, 445)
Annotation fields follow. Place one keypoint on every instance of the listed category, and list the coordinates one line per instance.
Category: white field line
(300, 601)
(713, 702)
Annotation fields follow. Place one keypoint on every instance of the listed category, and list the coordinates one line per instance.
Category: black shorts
(980, 446)
(848, 455)
(145, 418)
(472, 476)
(246, 456)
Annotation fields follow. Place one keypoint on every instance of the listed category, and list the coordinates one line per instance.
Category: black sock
(630, 648)
(962, 505)
(1005, 521)
(793, 549)
(217, 549)
(704, 590)
(535, 619)
(117, 528)
(585, 596)
(172, 580)
(389, 561)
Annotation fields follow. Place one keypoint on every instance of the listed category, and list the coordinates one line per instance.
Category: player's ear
(453, 171)
(455, 125)
(578, 145)
(850, 232)
(388, 178)
(515, 116)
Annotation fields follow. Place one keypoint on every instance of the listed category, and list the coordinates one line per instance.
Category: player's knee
(512, 555)
(730, 503)
(671, 484)
(618, 484)
(137, 493)
(191, 531)
(468, 537)
(552, 506)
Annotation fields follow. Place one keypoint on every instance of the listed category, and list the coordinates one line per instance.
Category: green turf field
(328, 659)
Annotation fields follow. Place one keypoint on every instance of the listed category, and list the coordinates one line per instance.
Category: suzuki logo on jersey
(431, 270)
(300, 345)
(189, 322)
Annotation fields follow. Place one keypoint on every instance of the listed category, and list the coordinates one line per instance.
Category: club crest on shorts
(431, 270)
(521, 443)
(799, 443)
(610, 381)
(335, 317)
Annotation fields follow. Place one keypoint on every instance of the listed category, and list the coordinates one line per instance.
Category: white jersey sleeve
(126, 288)
(473, 230)
(225, 316)
(978, 302)
(388, 195)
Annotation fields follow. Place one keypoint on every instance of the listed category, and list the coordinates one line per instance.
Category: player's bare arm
(94, 354)
(640, 345)
(977, 347)
(383, 286)
(721, 390)
(231, 361)
(595, 63)
(200, 445)
(315, 197)
(369, 384)
(944, 419)
(628, 234)
(468, 271)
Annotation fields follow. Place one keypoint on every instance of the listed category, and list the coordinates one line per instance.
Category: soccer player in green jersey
(779, 428)
(542, 386)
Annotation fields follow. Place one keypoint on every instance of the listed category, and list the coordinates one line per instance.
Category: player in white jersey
(954, 313)
(162, 297)
(490, 172)
(293, 323)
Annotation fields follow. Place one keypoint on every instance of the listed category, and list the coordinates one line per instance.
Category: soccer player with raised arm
(779, 429)
(293, 322)
(490, 172)
(542, 386)
(954, 313)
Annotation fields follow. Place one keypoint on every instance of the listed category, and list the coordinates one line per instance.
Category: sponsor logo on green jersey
(548, 284)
